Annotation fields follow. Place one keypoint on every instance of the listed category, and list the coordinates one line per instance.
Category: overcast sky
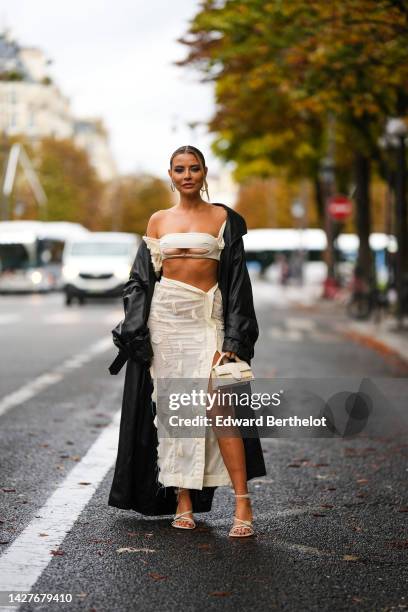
(113, 59)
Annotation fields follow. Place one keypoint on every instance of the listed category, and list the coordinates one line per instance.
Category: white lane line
(287, 335)
(63, 318)
(7, 318)
(43, 381)
(302, 324)
(23, 562)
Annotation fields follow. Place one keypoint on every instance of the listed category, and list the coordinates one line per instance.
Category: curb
(379, 345)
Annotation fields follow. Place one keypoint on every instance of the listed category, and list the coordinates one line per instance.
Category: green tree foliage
(133, 199)
(280, 68)
(73, 189)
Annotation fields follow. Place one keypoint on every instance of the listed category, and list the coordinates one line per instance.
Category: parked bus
(31, 254)
(383, 246)
(268, 249)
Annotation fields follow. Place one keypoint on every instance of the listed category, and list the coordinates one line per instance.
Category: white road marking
(300, 324)
(7, 318)
(283, 544)
(23, 562)
(63, 318)
(291, 335)
(55, 375)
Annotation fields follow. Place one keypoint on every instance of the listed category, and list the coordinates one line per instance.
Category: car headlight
(36, 277)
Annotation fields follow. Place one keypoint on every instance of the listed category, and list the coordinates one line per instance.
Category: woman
(201, 307)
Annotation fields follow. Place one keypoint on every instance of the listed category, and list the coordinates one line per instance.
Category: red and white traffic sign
(340, 207)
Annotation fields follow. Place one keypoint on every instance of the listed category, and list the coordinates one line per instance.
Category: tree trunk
(362, 215)
(319, 199)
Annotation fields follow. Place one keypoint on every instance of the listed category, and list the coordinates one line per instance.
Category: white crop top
(194, 244)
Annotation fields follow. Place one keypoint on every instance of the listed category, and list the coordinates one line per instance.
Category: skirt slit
(186, 329)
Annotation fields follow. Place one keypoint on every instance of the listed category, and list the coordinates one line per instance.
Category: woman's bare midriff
(202, 273)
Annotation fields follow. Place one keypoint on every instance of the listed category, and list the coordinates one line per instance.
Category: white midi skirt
(186, 329)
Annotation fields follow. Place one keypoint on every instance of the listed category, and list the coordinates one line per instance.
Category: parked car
(98, 265)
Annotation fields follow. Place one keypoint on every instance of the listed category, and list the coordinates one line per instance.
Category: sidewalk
(383, 336)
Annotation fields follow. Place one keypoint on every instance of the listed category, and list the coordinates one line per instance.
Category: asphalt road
(330, 515)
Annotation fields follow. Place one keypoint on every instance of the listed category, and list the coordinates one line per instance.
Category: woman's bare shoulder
(152, 229)
(219, 213)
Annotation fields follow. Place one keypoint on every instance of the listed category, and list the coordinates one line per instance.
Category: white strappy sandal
(179, 516)
(240, 524)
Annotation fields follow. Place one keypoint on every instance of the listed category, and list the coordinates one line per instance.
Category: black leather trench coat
(135, 484)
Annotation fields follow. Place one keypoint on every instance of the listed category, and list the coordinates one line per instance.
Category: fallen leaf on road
(100, 541)
(318, 514)
(57, 553)
(204, 546)
(43, 535)
(399, 544)
(362, 481)
(221, 593)
(350, 558)
(326, 506)
(157, 576)
(84, 483)
(131, 549)
(403, 509)
(9, 490)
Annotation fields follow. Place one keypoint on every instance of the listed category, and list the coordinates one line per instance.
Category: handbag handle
(221, 357)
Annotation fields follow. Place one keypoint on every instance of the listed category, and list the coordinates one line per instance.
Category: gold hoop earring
(172, 187)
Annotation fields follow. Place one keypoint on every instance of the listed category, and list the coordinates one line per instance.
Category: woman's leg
(233, 454)
(184, 504)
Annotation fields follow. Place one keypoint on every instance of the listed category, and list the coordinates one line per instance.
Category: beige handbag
(231, 373)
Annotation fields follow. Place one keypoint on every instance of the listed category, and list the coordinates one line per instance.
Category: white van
(98, 264)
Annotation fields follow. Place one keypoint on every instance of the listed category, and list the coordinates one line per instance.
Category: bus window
(13, 257)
